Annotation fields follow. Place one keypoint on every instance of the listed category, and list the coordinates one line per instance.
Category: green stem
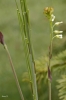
(24, 26)
(24, 40)
(51, 38)
(50, 56)
(27, 35)
(49, 90)
(25, 17)
(14, 72)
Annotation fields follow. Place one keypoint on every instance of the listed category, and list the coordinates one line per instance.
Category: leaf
(62, 87)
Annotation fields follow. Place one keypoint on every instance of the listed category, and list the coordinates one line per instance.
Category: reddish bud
(1, 38)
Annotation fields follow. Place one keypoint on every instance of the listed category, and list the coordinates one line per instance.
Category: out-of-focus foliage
(58, 67)
(40, 40)
(58, 64)
(62, 87)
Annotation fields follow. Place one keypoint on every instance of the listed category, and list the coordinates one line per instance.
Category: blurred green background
(9, 26)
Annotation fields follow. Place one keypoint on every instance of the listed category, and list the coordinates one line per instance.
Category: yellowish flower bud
(48, 12)
(59, 36)
(56, 31)
(58, 23)
(52, 17)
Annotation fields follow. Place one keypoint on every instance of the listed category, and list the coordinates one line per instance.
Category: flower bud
(48, 12)
(58, 23)
(59, 36)
(52, 17)
(56, 31)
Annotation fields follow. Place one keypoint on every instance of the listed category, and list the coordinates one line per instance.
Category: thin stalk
(34, 85)
(50, 56)
(51, 37)
(14, 72)
(21, 24)
(25, 19)
(25, 34)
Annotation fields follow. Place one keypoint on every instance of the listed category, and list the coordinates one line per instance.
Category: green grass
(39, 36)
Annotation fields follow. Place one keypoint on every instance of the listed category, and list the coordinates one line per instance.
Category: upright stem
(14, 72)
(26, 30)
(50, 56)
(24, 27)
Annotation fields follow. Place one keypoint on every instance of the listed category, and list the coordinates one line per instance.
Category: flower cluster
(49, 14)
(58, 33)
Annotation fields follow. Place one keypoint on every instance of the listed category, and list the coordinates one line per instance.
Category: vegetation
(39, 31)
